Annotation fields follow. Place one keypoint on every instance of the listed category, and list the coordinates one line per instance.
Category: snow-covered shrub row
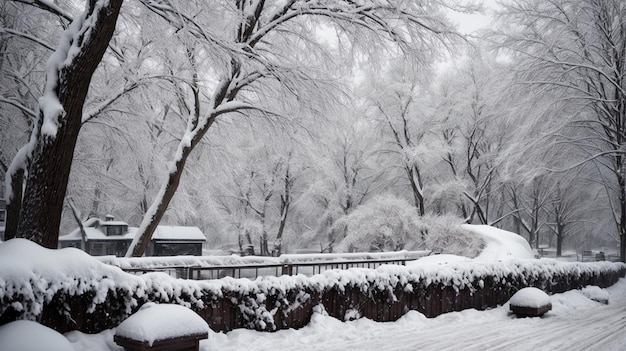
(68, 289)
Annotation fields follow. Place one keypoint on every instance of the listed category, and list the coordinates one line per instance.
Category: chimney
(109, 218)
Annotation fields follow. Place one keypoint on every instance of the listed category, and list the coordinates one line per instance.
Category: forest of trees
(291, 124)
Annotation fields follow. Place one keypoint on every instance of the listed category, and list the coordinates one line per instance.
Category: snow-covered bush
(385, 223)
(388, 223)
(446, 235)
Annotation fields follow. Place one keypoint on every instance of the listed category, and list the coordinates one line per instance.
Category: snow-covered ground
(574, 323)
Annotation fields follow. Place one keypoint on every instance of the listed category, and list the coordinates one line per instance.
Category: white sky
(469, 23)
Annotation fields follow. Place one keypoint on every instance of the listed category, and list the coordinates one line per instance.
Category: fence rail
(253, 271)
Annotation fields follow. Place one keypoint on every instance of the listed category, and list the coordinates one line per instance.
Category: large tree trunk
(155, 213)
(14, 203)
(622, 220)
(50, 158)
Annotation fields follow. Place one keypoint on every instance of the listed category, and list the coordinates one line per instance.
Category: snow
(501, 245)
(575, 323)
(530, 297)
(595, 293)
(31, 336)
(231, 260)
(31, 275)
(178, 233)
(163, 232)
(440, 259)
(157, 322)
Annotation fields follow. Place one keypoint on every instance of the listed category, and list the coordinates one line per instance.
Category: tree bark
(14, 203)
(51, 156)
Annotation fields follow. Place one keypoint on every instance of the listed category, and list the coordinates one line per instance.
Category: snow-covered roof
(94, 232)
(103, 223)
(165, 232)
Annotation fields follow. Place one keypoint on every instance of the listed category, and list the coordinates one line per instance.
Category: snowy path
(575, 323)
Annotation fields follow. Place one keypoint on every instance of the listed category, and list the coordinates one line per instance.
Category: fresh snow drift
(31, 336)
(501, 245)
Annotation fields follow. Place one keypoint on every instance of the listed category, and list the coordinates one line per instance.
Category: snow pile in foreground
(157, 322)
(31, 336)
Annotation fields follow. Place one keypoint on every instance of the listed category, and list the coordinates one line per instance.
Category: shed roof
(93, 231)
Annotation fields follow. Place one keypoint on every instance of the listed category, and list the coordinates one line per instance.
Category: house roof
(164, 232)
(93, 231)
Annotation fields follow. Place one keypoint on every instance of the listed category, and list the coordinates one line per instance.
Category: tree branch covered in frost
(255, 50)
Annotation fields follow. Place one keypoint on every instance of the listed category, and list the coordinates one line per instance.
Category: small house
(110, 237)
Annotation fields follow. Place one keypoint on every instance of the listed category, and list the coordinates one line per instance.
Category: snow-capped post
(48, 156)
(162, 327)
(530, 302)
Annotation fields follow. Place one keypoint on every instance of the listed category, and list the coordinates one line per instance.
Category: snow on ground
(575, 323)
(19, 336)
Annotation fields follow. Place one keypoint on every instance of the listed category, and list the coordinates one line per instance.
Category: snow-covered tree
(576, 51)
(46, 160)
(257, 49)
(399, 106)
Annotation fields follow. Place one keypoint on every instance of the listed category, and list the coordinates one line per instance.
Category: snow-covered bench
(530, 302)
(162, 327)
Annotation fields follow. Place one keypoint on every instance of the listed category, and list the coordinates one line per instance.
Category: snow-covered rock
(31, 336)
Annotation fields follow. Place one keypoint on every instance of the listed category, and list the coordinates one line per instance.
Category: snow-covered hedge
(68, 289)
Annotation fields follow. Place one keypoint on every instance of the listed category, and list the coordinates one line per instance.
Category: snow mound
(500, 245)
(55, 265)
(595, 293)
(530, 297)
(162, 321)
(31, 336)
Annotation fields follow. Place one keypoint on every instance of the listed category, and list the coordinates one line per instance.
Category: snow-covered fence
(69, 290)
(215, 267)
